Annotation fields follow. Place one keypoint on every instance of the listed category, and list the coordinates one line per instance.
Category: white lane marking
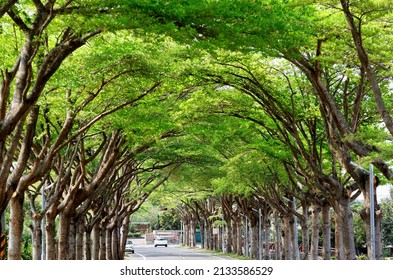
(144, 258)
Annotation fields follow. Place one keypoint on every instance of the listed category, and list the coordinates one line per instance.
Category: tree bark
(254, 237)
(326, 232)
(36, 234)
(95, 242)
(16, 227)
(316, 210)
(51, 244)
(64, 236)
(80, 232)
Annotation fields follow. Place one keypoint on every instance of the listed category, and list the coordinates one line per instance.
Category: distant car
(129, 247)
(160, 241)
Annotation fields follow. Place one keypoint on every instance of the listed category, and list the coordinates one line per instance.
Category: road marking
(144, 258)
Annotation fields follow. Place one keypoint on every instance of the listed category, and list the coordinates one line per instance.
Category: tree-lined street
(256, 125)
(172, 252)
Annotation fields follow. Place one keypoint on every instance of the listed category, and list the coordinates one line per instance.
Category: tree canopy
(219, 107)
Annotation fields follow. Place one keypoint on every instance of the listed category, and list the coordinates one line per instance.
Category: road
(172, 252)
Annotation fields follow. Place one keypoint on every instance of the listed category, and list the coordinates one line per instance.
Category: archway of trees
(261, 118)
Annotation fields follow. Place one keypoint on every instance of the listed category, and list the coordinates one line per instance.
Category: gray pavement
(172, 252)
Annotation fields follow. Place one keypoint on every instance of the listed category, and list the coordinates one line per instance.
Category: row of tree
(78, 118)
(312, 88)
(242, 106)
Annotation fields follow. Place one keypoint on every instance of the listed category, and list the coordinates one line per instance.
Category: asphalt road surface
(172, 252)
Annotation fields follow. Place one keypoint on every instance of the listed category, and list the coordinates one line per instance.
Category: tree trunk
(305, 232)
(64, 234)
(108, 241)
(316, 210)
(326, 232)
(240, 238)
(51, 245)
(203, 234)
(95, 242)
(80, 231)
(338, 239)
(192, 233)
(228, 235)
(209, 235)
(115, 243)
(102, 247)
(124, 234)
(346, 220)
(287, 239)
(254, 237)
(234, 235)
(72, 239)
(36, 233)
(278, 236)
(16, 227)
(87, 245)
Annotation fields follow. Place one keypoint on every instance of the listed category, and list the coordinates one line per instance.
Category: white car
(129, 247)
(160, 241)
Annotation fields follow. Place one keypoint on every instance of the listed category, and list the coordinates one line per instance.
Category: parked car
(160, 241)
(129, 247)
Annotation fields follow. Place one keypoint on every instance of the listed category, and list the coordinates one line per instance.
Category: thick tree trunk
(209, 235)
(254, 241)
(108, 241)
(203, 234)
(277, 225)
(228, 236)
(16, 227)
(115, 243)
(36, 234)
(192, 233)
(72, 239)
(305, 233)
(124, 233)
(266, 238)
(102, 247)
(51, 244)
(338, 239)
(316, 210)
(326, 232)
(80, 231)
(95, 242)
(346, 220)
(286, 235)
(240, 238)
(87, 245)
(64, 236)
